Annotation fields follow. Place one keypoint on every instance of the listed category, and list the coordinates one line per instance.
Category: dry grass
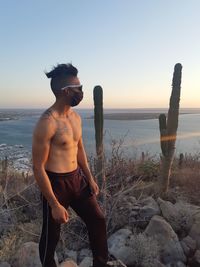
(185, 180)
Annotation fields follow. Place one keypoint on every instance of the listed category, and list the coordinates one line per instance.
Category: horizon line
(103, 108)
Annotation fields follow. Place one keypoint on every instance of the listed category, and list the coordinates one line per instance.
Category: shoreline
(132, 116)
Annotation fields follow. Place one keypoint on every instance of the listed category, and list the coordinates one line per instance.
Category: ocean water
(136, 136)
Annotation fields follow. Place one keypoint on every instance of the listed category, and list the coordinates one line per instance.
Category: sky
(129, 47)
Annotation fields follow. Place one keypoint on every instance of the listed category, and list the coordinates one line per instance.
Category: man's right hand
(60, 214)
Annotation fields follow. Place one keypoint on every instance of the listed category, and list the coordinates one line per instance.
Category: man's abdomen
(62, 160)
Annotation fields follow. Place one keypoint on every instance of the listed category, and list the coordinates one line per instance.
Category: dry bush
(145, 250)
(19, 212)
(185, 181)
(8, 246)
(20, 233)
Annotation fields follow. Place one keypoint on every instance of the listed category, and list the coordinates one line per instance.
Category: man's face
(73, 91)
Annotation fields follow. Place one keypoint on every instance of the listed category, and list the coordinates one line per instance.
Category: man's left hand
(94, 187)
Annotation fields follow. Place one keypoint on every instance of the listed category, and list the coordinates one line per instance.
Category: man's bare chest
(67, 134)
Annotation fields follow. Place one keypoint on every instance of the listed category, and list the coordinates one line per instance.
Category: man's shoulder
(47, 115)
(75, 113)
(45, 121)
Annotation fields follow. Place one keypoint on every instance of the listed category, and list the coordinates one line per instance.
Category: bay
(136, 136)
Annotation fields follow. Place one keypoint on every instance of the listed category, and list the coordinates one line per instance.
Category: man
(61, 169)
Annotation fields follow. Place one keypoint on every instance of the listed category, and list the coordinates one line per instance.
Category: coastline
(132, 116)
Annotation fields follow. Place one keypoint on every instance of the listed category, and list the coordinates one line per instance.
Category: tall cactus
(98, 122)
(168, 128)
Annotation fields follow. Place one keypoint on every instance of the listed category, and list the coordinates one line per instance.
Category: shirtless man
(61, 170)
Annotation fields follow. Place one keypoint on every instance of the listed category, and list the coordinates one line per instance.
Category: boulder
(170, 247)
(195, 261)
(178, 215)
(194, 232)
(129, 211)
(121, 212)
(148, 209)
(86, 262)
(168, 209)
(188, 245)
(84, 252)
(72, 254)
(142, 212)
(118, 246)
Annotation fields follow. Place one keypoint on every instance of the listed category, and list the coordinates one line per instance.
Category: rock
(188, 245)
(195, 261)
(142, 211)
(4, 264)
(117, 246)
(72, 254)
(178, 215)
(194, 232)
(27, 256)
(86, 262)
(84, 253)
(149, 209)
(121, 213)
(168, 210)
(68, 263)
(118, 239)
(170, 247)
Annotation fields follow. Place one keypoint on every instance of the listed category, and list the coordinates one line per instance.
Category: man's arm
(82, 160)
(40, 150)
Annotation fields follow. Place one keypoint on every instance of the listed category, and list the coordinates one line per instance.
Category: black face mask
(76, 98)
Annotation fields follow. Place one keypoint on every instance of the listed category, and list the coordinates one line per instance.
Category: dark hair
(59, 76)
(62, 70)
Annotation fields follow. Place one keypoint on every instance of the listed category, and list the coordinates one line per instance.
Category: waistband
(62, 174)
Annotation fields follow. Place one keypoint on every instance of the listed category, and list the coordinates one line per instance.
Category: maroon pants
(72, 189)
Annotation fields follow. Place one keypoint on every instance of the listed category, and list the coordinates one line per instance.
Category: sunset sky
(128, 47)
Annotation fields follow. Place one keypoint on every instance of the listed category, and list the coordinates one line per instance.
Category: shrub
(145, 250)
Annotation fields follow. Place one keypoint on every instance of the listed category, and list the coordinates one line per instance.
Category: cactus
(98, 122)
(168, 129)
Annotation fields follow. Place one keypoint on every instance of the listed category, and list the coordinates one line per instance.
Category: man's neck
(62, 109)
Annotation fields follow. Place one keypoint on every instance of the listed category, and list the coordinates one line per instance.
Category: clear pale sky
(128, 47)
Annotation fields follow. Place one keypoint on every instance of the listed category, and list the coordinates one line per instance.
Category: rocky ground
(144, 229)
